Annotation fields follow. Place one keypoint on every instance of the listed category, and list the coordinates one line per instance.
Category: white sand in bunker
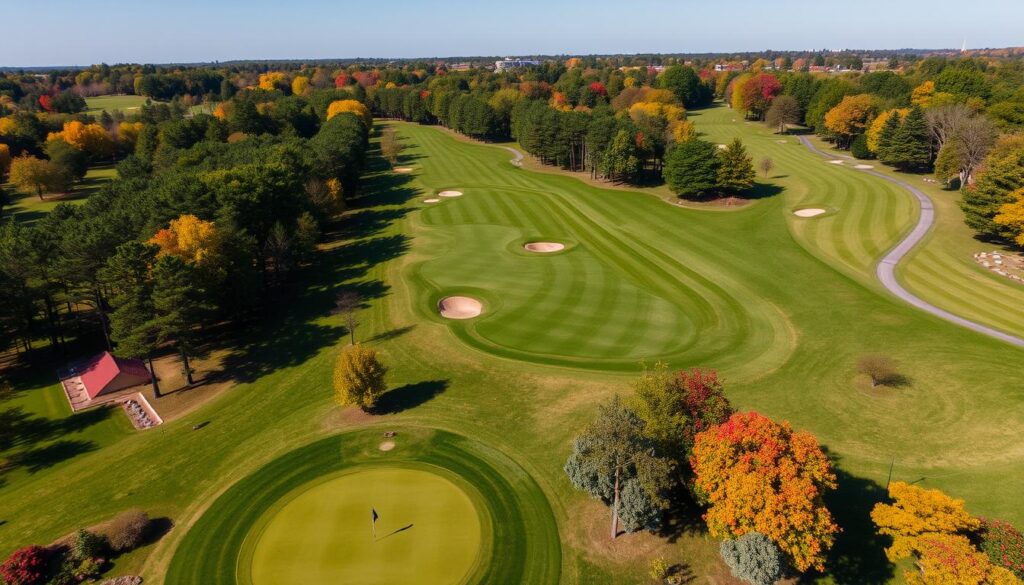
(813, 211)
(403, 170)
(450, 194)
(431, 200)
(386, 446)
(544, 247)
(459, 307)
(863, 166)
(835, 162)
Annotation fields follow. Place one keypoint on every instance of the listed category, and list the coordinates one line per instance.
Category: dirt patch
(386, 446)
(810, 212)
(450, 194)
(544, 247)
(459, 307)
(343, 418)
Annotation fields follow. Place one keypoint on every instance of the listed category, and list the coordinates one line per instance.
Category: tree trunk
(188, 367)
(152, 373)
(615, 507)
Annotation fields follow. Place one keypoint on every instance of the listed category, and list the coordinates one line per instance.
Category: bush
(859, 147)
(754, 558)
(127, 530)
(25, 566)
(88, 545)
(1003, 544)
(881, 369)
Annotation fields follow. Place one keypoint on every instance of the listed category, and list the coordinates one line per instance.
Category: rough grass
(27, 207)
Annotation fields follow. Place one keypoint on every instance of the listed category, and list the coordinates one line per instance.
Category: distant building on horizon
(509, 63)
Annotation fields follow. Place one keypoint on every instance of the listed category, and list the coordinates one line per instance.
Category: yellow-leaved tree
(189, 238)
(353, 106)
(916, 513)
(273, 80)
(1012, 215)
(5, 160)
(91, 139)
(850, 116)
(128, 133)
(358, 377)
(735, 91)
(952, 559)
(30, 174)
(300, 84)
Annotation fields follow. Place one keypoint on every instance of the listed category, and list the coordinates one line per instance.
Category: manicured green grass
(27, 207)
(126, 103)
(451, 511)
(783, 313)
(428, 532)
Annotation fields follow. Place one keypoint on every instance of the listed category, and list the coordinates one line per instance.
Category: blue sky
(75, 32)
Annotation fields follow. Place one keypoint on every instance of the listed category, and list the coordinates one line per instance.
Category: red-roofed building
(106, 373)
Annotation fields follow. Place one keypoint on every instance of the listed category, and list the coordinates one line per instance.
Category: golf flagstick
(373, 522)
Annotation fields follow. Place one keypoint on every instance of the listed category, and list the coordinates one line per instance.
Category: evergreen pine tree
(886, 138)
(178, 305)
(736, 171)
(691, 167)
(132, 324)
(909, 148)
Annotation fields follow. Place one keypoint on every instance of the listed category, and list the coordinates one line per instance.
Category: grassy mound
(239, 539)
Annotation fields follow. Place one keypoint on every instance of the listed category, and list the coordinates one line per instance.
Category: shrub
(88, 545)
(658, 569)
(859, 147)
(25, 566)
(754, 558)
(127, 530)
(358, 377)
(881, 369)
(1003, 544)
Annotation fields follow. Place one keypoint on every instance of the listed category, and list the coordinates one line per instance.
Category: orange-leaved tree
(758, 475)
(951, 558)
(190, 238)
(850, 117)
(91, 139)
(1010, 214)
(916, 512)
(352, 106)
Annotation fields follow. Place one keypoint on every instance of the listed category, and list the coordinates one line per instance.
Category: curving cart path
(886, 270)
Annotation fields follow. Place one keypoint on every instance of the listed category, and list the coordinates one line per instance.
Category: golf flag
(373, 521)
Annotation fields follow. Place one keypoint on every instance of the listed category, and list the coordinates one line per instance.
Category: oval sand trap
(386, 446)
(544, 247)
(403, 170)
(459, 307)
(450, 194)
(863, 166)
(431, 200)
(813, 211)
(835, 162)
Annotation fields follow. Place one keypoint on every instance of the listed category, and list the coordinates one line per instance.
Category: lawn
(125, 103)
(27, 207)
(783, 306)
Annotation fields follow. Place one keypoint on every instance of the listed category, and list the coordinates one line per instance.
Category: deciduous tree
(358, 377)
(784, 111)
(30, 174)
(850, 117)
(352, 106)
(916, 512)
(759, 475)
(1011, 215)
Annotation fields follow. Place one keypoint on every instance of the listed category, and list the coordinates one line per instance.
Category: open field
(110, 103)
(26, 207)
(783, 306)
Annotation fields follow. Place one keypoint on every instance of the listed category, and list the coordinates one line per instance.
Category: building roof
(106, 372)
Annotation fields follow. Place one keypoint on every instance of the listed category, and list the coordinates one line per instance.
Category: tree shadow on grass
(409, 396)
(858, 557)
(37, 459)
(392, 333)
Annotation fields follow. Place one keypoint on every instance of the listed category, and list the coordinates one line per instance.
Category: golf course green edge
(521, 546)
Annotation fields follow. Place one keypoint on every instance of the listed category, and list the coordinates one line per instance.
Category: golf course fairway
(428, 532)
(451, 510)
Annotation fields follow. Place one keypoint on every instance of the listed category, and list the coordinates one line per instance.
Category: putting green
(451, 511)
(428, 532)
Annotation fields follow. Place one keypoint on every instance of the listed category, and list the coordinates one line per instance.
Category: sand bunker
(450, 193)
(722, 146)
(431, 200)
(459, 307)
(813, 211)
(386, 446)
(403, 170)
(544, 247)
(835, 162)
(863, 166)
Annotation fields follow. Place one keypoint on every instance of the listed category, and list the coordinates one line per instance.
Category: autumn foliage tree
(190, 238)
(850, 117)
(916, 512)
(358, 377)
(1011, 215)
(758, 92)
(91, 139)
(35, 175)
(353, 106)
(757, 475)
(25, 566)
